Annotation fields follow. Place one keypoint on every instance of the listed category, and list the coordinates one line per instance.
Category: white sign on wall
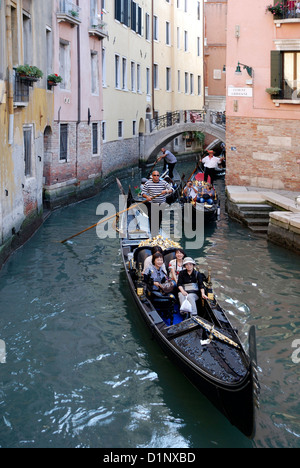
(240, 92)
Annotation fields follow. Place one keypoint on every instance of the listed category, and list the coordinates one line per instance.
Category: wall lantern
(238, 70)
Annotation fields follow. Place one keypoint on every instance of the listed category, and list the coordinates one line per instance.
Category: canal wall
(283, 227)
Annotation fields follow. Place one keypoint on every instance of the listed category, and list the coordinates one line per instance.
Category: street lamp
(238, 70)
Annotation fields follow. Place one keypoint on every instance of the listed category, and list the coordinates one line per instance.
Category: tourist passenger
(190, 284)
(190, 192)
(206, 195)
(176, 265)
(148, 262)
(156, 272)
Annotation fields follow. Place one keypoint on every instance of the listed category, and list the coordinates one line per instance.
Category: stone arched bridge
(161, 131)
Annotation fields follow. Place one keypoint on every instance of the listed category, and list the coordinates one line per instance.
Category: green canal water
(82, 370)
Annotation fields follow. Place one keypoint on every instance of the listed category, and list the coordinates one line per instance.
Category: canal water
(81, 369)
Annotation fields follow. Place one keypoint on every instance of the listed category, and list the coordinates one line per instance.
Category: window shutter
(276, 69)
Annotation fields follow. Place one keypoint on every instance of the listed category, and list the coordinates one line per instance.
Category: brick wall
(263, 153)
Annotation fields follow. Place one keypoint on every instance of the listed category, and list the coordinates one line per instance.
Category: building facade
(26, 108)
(263, 90)
(127, 58)
(73, 152)
(152, 66)
(215, 27)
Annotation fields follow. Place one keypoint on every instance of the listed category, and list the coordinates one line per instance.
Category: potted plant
(276, 10)
(53, 79)
(73, 13)
(274, 92)
(29, 72)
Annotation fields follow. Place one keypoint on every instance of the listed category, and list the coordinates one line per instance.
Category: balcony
(287, 11)
(68, 12)
(98, 29)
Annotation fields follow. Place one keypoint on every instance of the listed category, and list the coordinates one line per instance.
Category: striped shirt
(155, 188)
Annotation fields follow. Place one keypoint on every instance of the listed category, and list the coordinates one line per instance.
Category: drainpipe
(10, 92)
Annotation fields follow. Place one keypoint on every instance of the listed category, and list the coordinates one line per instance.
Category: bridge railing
(167, 120)
(217, 118)
(173, 118)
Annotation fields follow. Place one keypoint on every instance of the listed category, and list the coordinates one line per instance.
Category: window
(155, 28)
(103, 131)
(291, 75)
(120, 129)
(186, 45)
(148, 27)
(155, 76)
(191, 83)
(27, 38)
(65, 64)
(148, 82)
(94, 73)
(27, 133)
(117, 71)
(132, 70)
(168, 33)
(138, 79)
(94, 11)
(168, 79)
(134, 128)
(186, 82)
(199, 85)
(124, 73)
(95, 138)
(103, 67)
(49, 51)
(285, 73)
(15, 37)
(63, 155)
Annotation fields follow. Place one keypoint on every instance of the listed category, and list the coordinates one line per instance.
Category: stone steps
(255, 216)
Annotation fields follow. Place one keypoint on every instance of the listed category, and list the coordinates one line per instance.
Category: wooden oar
(152, 168)
(110, 217)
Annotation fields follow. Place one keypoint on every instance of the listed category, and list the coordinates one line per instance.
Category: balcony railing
(68, 12)
(290, 10)
(98, 28)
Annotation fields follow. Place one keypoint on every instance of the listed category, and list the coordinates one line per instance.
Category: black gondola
(210, 205)
(206, 347)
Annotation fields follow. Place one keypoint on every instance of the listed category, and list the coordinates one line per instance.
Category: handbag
(167, 287)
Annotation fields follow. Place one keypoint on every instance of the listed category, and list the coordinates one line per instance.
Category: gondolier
(211, 163)
(152, 189)
(170, 160)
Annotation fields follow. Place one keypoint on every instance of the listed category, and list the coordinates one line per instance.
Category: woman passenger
(176, 265)
(156, 271)
(190, 284)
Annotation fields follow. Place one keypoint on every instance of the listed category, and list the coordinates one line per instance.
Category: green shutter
(276, 69)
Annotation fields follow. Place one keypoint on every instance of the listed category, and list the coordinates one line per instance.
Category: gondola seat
(141, 254)
(164, 304)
